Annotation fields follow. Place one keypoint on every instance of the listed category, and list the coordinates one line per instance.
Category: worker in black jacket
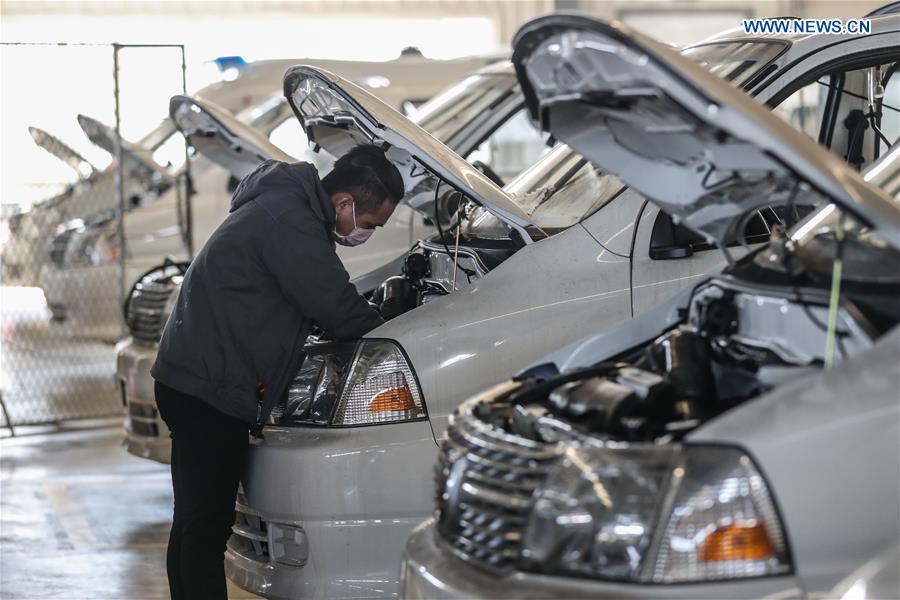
(234, 339)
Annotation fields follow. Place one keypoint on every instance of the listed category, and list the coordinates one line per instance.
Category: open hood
(338, 115)
(703, 151)
(133, 155)
(220, 137)
(60, 150)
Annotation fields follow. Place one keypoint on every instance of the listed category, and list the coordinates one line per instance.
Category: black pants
(209, 450)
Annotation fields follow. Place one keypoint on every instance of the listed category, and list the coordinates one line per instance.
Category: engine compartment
(438, 266)
(739, 337)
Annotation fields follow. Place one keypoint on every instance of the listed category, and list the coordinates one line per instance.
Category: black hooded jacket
(249, 298)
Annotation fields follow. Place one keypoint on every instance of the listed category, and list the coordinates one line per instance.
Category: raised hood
(60, 150)
(133, 155)
(703, 151)
(220, 137)
(338, 115)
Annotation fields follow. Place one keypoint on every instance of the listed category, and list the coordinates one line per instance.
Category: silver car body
(800, 433)
(239, 148)
(155, 224)
(335, 487)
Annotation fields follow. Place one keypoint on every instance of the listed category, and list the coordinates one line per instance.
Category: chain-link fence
(86, 144)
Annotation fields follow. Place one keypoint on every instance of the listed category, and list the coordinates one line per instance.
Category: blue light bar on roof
(230, 62)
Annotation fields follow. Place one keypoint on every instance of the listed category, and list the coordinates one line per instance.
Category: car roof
(800, 43)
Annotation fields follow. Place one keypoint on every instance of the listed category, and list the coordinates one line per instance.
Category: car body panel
(503, 317)
(877, 578)
(63, 152)
(146, 435)
(800, 436)
(133, 154)
(804, 53)
(300, 482)
(458, 344)
(152, 234)
(94, 312)
(409, 78)
(630, 334)
(655, 281)
(221, 138)
(430, 570)
(635, 106)
(463, 342)
(338, 115)
(827, 445)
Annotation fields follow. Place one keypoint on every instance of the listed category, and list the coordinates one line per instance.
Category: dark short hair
(366, 174)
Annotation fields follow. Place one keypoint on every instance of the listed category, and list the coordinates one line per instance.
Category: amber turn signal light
(392, 399)
(738, 541)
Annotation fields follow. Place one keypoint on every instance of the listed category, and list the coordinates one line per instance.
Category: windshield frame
(436, 107)
(758, 71)
(555, 171)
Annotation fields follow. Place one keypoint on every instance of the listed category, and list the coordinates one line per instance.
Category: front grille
(146, 311)
(250, 533)
(485, 480)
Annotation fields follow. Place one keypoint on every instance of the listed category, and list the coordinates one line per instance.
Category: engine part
(719, 317)
(524, 418)
(597, 403)
(415, 266)
(645, 384)
(396, 296)
(685, 357)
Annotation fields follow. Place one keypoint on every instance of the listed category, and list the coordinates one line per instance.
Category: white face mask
(358, 236)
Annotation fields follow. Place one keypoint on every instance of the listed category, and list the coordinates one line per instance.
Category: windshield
(158, 135)
(885, 174)
(448, 112)
(736, 62)
(562, 189)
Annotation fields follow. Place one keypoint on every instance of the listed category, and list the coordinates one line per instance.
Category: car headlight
(660, 514)
(99, 245)
(345, 385)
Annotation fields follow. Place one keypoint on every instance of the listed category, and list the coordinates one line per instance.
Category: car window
(854, 113)
(803, 109)
(512, 147)
(562, 189)
(668, 240)
(445, 114)
(736, 62)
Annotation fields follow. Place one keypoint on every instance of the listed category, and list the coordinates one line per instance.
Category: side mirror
(671, 252)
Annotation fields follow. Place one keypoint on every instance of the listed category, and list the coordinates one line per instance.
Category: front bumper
(431, 570)
(146, 434)
(85, 301)
(326, 511)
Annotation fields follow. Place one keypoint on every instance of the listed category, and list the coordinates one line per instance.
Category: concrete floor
(81, 519)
